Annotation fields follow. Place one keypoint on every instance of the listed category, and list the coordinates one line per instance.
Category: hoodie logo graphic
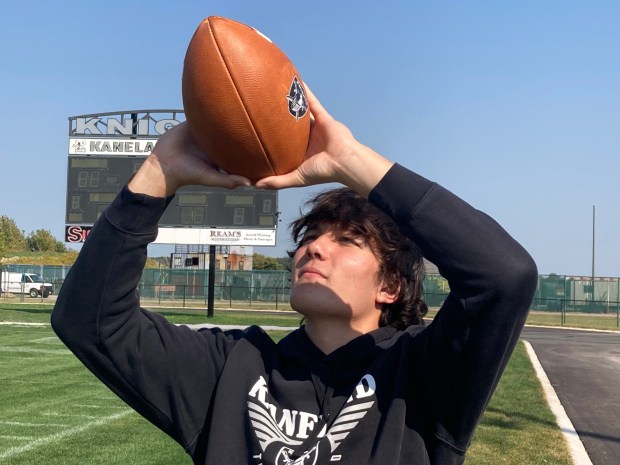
(280, 431)
(307, 458)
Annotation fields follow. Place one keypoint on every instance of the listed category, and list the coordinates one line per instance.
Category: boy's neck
(329, 335)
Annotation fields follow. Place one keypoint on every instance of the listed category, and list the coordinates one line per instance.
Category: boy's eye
(348, 239)
(307, 238)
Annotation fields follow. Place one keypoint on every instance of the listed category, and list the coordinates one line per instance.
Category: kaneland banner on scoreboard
(106, 149)
(125, 147)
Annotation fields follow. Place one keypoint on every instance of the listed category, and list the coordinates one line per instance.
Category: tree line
(263, 262)
(13, 239)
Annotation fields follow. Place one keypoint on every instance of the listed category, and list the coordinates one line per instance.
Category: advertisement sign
(223, 236)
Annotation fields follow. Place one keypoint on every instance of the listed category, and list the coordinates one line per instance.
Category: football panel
(263, 77)
(215, 111)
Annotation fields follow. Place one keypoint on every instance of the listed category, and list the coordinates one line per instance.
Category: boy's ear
(388, 292)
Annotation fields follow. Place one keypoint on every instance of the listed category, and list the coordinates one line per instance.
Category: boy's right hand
(177, 161)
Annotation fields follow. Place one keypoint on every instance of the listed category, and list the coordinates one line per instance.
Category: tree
(61, 247)
(262, 262)
(286, 263)
(12, 238)
(42, 240)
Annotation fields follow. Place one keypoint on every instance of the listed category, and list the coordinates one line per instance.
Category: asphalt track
(584, 369)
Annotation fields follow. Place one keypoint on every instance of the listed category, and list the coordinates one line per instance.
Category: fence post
(184, 291)
(563, 308)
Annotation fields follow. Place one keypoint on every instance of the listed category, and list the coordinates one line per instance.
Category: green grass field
(53, 411)
(518, 428)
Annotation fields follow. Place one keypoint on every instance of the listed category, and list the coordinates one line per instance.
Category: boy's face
(335, 275)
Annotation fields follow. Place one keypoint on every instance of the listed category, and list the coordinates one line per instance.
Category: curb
(575, 446)
(227, 327)
(575, 328)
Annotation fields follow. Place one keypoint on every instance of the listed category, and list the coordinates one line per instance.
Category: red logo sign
(77, 233)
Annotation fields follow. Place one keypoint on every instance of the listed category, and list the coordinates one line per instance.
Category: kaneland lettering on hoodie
(389, 396)
(287, 428)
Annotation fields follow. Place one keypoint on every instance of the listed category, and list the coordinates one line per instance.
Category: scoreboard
(105, 150)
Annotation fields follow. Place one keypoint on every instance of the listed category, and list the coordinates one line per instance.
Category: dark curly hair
(401, 265)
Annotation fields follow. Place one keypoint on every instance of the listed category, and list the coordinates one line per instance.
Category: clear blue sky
(514, 106)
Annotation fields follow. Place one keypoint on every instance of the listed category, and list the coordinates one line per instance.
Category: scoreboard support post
(211, 289)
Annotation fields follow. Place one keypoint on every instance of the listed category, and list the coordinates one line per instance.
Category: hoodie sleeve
(492, 281)
(142, 357)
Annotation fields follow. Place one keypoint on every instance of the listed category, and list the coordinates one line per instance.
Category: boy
(363, 380)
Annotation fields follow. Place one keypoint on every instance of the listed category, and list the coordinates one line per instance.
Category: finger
(292, 179)
(316, 109)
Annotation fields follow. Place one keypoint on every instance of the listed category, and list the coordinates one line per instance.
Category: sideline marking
(63, 434)
(575, 446)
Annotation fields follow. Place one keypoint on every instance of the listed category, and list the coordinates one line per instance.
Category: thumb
(292, 179)
(216, 178)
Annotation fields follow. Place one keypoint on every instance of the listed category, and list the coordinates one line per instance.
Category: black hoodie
(236, 397)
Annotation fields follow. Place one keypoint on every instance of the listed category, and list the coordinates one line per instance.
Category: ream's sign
(217, 236)
(207, 236)
(109, 147)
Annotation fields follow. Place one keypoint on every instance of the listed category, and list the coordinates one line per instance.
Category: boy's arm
(492, 280)
(165, 372)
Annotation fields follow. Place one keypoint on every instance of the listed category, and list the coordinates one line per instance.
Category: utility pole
(593, 249)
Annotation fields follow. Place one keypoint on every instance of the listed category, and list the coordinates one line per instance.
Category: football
(244, 100)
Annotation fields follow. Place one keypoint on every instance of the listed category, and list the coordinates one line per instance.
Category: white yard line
(16, 438)
(34, 350)
(575, 446)
(107, 407)
(62, 435)
(28, 424)
(20, 323)
(70, 415)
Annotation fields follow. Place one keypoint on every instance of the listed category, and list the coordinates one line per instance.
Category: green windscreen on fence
(255, 288)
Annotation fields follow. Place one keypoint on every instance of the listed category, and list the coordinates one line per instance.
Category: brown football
(244, 100)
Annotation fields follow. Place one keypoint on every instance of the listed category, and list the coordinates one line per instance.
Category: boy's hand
(177, 161)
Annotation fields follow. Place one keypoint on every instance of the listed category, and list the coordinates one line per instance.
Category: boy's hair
(401, 265)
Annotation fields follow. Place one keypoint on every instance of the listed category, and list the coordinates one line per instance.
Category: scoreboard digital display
(105, 150)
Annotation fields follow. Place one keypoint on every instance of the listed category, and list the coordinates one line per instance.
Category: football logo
(297, 102)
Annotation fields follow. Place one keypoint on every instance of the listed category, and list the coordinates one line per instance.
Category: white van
(24, 283)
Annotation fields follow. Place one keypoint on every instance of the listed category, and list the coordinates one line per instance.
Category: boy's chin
(315, 299)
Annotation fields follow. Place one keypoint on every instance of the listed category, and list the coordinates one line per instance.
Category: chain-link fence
(54, 275)
(270, 289)
(232, 288)
(577, 294)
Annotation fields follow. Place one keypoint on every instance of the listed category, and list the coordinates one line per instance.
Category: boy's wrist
(363, 168)
(151, 180)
